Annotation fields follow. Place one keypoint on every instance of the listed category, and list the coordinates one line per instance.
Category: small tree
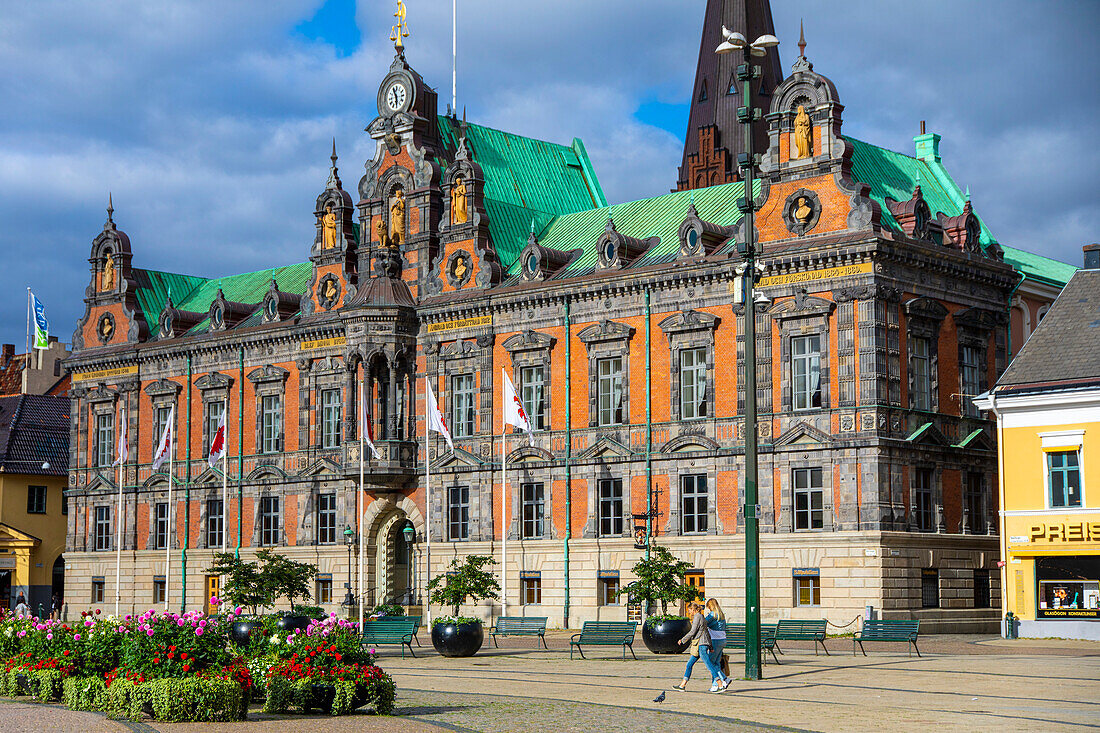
(244, 585)
(285, 578)
(661, 578)
(465, 580)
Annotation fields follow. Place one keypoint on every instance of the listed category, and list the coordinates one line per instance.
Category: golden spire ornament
(401, 29)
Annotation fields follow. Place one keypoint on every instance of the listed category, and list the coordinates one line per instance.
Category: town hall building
(884, 308)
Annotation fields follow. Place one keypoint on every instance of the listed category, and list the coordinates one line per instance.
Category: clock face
(396, 96)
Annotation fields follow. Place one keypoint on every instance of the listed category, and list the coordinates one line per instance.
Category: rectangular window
(975, 504)
(330, 418)
(920, 364)
(693, 504)
(160, 531)
(271, 424)
(809, 499)
(159, 588)
(160, 420)
(214, 412)
(608, 591)
(981, 589)
(531, 591)
(807, 591)
(36, 500)
(458, 513)
(269, 520)
(103, 528)
(970, 365)
(99, 588)
(609, 375)
(326, 519)
(806, 372)
(1064, 478)
(104, 439)
(534, 504)
(215, 523)
(611, 507)
(930, 588)
(533, 385)
(693, 383)
(923, 499)
(463, 398)
(324, 590)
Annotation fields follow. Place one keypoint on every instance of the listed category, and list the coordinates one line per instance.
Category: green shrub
(84, 693)
(389, 609)
(45, 684)
(308, 611)
(279, 695)
(119, 699)
(196, 700)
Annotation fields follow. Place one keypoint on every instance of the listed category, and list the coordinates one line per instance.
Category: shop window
(981, 589)
(531, 590)
(215, 523)
(326, 519)
(458, 513)
(607, 588)
(1069, 587)
(930, 588)
(1064, 478)
(693, 504)
(324, 589)
(99, 590)
(611, 507)
(534, 504)
(807, 587)
(36, 500)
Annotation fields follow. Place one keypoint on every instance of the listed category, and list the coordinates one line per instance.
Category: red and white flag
(435, 418)
(217, 443)
(368, 430)
(514, 414)
(164, 447)
(123, 451)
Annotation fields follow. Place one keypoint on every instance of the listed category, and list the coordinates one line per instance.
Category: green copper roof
(894, 174)
(249, 287)
(525, 179)
(153, 288)
(660, 216)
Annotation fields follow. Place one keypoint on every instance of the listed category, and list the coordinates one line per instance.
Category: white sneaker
(715, 688)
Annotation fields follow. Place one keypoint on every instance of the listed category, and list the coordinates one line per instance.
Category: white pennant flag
(435, 418)
(165, 444)
(217, 443)
(368, 430)
(123, 451)
(514, 414)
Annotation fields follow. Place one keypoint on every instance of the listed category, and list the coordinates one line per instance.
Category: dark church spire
(713, 137)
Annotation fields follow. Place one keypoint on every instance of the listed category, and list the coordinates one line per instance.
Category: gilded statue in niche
(109, 272)
(106, 328)
(330, 292)
(804, 211)
(458, 202)
(459, 268)
(803, 134)
(329, 236)
(397, 218)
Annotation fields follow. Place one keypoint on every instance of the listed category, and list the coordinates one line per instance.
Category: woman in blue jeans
(716, 626)
(700, 634)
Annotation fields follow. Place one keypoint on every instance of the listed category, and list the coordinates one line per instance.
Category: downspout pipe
(186, 493)
(568, 459)
(240, 453)
(648, 434)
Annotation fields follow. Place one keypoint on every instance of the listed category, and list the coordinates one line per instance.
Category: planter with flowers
(464, 582)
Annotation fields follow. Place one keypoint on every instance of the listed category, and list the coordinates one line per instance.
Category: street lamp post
(746, 115)
(349, 540)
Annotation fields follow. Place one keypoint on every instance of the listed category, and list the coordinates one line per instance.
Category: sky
(211, 123)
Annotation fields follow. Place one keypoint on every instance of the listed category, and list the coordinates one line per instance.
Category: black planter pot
(241, 631)
(321, 697)
(23, 684)
(288, 623)
(664, 637)
(458, 640)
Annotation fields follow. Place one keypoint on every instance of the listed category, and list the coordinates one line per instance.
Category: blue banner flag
(41, 325)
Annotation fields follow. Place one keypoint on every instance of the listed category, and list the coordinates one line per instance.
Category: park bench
(735, 639)
(416, 628)
(800, 630)
(391, 630)
(605, 633)
(517, 626)
(887, 630)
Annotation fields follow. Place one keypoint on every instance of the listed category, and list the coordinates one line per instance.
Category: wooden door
(213, 588)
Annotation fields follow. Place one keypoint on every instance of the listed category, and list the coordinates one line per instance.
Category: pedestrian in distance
(693, 653)
(21, 607)
(716, 626)
(699, 630)
(55, 607)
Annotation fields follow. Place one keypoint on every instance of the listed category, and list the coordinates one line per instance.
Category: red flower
(172, 648)
(171, 655)
(183, 656)
(187, 668)
(156, 660)
(338, 657)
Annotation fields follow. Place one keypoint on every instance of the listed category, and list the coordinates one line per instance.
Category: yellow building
(34, 451)
(1047, 405)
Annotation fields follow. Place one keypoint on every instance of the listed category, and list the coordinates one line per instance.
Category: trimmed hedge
(172, 700)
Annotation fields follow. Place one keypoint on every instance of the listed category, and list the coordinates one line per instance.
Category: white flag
(514, 414)
(368, 431)
(164, 446)
(217, 443)
(435, 418)
(122, 448)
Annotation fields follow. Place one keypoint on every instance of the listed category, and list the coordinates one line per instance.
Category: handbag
(694, 648)
(726, 665)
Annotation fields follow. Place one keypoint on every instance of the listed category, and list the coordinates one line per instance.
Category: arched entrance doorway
(393, 581)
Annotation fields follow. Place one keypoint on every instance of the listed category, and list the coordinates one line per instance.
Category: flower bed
(182, 667)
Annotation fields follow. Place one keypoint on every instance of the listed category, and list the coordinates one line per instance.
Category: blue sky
(211, 121)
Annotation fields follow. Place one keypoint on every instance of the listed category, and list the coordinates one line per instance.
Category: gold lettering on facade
(104, 373)
(322, 343)
(813, 275)
(459, 323)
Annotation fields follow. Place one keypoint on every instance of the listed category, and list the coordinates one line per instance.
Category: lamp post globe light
(349, 540)
(746, 115)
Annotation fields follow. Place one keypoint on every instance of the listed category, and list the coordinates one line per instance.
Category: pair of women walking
(708, 639)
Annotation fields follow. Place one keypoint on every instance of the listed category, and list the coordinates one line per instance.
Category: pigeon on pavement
(660, 698)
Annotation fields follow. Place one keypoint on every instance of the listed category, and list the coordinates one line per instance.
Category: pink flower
(198, 631)
(76, 637)
(238, 610)
(148, 632)
(214, 600)
(179, 622)
(49, 636)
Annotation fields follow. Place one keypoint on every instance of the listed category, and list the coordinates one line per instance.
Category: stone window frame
(935, 492)
(522, 506)
(163, 393)
(328, 374)
(623, 504)
(711, 514)
(599, 470)
(110, 528)
(214, 387)
(155, 520)
(470, 356)
(531, 467)
(974, 327)
(280, 531)
(269, 381)
(606, 340)
(204, 521)
(335, 518)
(967, 520)
(470, 498)
(532, 349)
(103, 401)
(923, 319)
(803, 315)
(690, 329)
(788, 490)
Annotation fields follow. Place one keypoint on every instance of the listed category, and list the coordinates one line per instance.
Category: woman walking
(700, 634)
(716, 627)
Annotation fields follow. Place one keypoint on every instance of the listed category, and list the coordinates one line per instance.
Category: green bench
(799, 630)
(416, 628)
(887, 630)
(518, 626)
(391, 630)
(735, 639)
(605, 633)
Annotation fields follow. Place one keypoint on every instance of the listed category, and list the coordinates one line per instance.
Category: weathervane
(401, 30)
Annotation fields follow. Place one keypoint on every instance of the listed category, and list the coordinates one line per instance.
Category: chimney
(1092, 261)
(7, 354)
(928, 145)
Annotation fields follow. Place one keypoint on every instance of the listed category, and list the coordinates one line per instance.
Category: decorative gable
(606, 330)
(699, 238)
(617, 251)
(606, 447)
(804, 433)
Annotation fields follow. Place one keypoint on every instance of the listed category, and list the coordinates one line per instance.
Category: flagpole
(118, 524)
(225, 475)
(168, 540)
(504, 520)
(427, 503)
(29, 309)
(359, 503)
